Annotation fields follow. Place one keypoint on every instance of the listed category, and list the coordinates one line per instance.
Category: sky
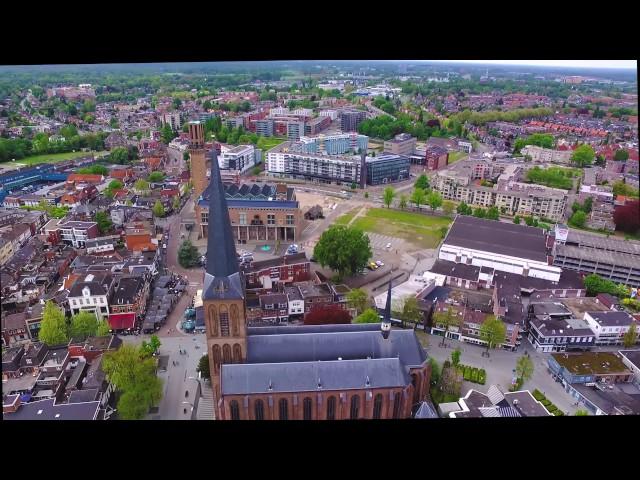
(559, 63)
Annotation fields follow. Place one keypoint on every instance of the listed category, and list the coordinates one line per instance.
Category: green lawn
(270, 142)
(455, 156)
(421, 230)
(346, 218)
(54, 157)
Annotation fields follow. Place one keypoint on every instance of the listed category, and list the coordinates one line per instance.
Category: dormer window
(86, 292)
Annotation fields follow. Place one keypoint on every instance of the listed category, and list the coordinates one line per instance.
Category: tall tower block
(198, 159)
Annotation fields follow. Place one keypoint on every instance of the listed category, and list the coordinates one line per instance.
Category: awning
(121, 321)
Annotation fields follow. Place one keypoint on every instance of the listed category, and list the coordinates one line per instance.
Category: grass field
(455, 156)
(346, 218)
(52, 158)
(420, 230)
(270, 142)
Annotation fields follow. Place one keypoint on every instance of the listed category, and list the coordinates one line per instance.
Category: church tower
(198, 159)
(223, 294)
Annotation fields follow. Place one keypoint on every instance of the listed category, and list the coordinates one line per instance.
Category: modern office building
(265, 127)
(401, 144)
(335, 144)
(288, 160)
(350, 119)
(611, 258)
(387, 169)
(239, 158)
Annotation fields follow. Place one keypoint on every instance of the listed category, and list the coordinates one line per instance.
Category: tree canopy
(188, 255)
(583, 155)
(357, 298)
(158, 209)
(83, 325)
(203, 366)
(325, 315)
(388, 195)
(343, 249)
(53, 328)
(104, 221)
(524, 368)
(368, 316)
(493, 331)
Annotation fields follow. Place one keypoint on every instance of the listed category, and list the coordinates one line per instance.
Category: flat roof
(603, 242)
(613, 399)
(612, 318)
(590, 363)
(632, 355)
(598, 255)
(48, 410)
(518, 241)
(580, 305)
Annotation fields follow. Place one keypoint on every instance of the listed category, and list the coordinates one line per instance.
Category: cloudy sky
(559, 63)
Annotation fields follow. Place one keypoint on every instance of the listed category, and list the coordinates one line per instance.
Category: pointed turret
(385, 327)
(222, 277)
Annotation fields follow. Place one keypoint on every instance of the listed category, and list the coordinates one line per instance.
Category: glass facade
(387, 168)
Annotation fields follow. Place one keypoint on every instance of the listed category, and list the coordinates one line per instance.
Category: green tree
(141, 186)
(83, 325)
(358, 299)
(578, 219)
(493, 332)
(156, 177)
(630, 338)
(176, 203)
(621, 155)
(516, 220)
(418, 197)
(411, 311)
(53, 328)
(434, 199)
(344, 249)
(445, 320)
(403, 201)
(493, 213)
(368, 316)
(186, 156)
(203, 366)
(256, 171)
(134, 376)
(158, 209)
(480, 212)
(150, 348)
(448, 207)
(524, 368)
(583, 155)
(455, 357)
(422, 182)
(103, 328)
(366, 194)
(464, 209)
(188, 255)
(167, 134)
(388, 195)
(103, 221)
(119, 155)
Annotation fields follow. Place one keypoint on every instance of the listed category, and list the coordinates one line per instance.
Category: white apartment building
(173, 120)
(239, 158)
(609, 326)
(332, 114)
(547, 155)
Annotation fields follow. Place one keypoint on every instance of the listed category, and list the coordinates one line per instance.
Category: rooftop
(580, 305)
(632, 355)
(622, 399)
(611, 318)
(48, 410)
(591, 363)
(501, 238)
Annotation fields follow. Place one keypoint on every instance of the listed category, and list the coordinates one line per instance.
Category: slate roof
(519, 241)
(80, 396)
(612, 318)
(48, 410)
(348, 345)
(456, 270)
(238, 379)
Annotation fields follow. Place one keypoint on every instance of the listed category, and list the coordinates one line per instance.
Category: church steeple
(222, 277)
(385, 327)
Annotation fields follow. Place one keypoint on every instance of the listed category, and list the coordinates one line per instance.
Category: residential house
(91, 294)
(609, 326)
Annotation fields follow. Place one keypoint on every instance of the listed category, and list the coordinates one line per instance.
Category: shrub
(558, 413)
(545, 402)
(552, 408)
(483, 376)
(474, 375)
(537, 394)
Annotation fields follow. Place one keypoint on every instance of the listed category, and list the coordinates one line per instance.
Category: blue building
(387, 169)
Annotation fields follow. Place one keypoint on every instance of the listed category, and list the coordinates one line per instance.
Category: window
(331, 408)
(355, 407)
(224, 324)
(284, 409)
(290, 220)
(235, 410)
(258, 410)
(377, 406)
(396, 405)
(226, 353)
(243, 218)
(271, 219)
(306, 407)
(204, 217)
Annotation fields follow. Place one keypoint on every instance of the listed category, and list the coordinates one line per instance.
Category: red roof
(121, 321)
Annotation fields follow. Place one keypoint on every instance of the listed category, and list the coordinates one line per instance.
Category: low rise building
(610, 326)
(589, 368)
(387, 169)
(401, 144)
(91, 293)
(240, 158)
(495, 403)
(547, 155)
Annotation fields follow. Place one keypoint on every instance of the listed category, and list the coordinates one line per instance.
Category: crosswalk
(381, 241)
(206, 409)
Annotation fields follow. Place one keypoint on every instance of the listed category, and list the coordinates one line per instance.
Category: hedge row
(473, 374)
(551, 408)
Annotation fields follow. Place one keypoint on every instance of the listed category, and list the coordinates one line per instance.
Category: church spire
(385, 327)
(222, 278)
